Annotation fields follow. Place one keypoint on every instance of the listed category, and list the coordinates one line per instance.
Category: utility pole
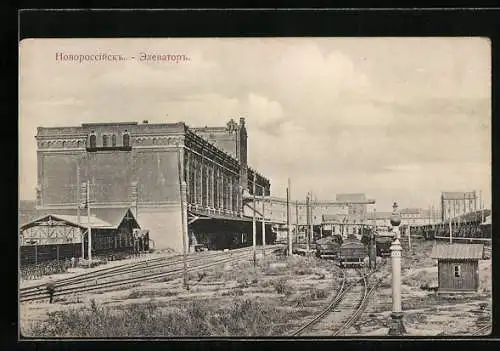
(183, 193)
(409, 236)
(263, 225)
(79, 203)
(137, 202)
(311, 228)
(254, 229)
(296, 221)
(89, 230)
(308, 222)
(288, 199)
(451, 230)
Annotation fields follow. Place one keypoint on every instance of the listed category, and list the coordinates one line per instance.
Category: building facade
(355, 202)
(416, 217)
(142, 165)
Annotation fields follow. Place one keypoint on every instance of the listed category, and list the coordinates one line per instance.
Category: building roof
(348, 197)
(95, 222)
(458, 251)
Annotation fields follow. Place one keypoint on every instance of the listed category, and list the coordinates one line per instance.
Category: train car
(352, 253)
(383, 242)
(328, 247)
(301, 248)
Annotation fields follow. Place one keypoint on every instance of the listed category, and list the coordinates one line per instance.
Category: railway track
(482, 330)
(105, 280)
(123, 269)
(345, 308)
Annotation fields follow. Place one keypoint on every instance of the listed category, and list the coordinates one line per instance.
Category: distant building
(458, 267)
(416, 217)
(454, 204)
(354, 208)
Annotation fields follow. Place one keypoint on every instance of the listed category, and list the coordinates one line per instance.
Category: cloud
(395, 118)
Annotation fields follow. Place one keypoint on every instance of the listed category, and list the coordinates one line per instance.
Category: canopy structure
(67, 229)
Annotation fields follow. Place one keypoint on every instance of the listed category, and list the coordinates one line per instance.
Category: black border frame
(270, 23)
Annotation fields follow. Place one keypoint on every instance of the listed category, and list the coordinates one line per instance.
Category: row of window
(109, 141)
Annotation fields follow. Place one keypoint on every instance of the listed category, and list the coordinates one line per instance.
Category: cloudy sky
(400, 119)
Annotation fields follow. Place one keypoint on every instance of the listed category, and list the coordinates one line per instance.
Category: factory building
(141, 165)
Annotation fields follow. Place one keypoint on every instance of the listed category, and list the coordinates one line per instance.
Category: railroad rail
(481, 330)
(123, 269)
(359, 289)
(340, 298)
(75, 285)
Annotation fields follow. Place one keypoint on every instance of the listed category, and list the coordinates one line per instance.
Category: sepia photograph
(255, 187)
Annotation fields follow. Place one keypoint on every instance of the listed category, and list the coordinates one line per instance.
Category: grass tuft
(241, 318)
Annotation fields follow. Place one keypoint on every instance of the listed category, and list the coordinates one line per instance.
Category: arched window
(126, 140)
(113, 140)
(93, 141)
(104, 140)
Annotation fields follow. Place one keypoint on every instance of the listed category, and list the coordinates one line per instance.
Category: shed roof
(458, 251)
(95, 222)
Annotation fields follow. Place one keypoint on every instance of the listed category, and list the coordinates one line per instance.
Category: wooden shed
(458, 267)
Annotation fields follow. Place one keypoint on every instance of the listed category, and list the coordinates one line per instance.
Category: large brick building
(140, 163)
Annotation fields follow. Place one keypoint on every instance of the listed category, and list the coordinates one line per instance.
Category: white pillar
(396, 327)
(396, 272)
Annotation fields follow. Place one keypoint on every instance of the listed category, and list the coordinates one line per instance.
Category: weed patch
(241, 318)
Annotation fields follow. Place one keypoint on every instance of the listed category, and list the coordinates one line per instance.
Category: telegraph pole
(263, 225)
(183, 193)
(254, 229)
(79, 202)
(89, 230)
(451, 230)
(296, 221)
(137, 202)
(311, 227)
(288, 199)
(308, 223)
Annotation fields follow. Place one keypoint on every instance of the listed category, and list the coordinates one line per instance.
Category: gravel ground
(302, 287)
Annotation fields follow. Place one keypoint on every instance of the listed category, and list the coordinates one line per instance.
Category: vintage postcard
(251, 187)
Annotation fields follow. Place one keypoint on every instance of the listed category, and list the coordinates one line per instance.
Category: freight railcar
(328, 247)
(352, 253)
(383, 242)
